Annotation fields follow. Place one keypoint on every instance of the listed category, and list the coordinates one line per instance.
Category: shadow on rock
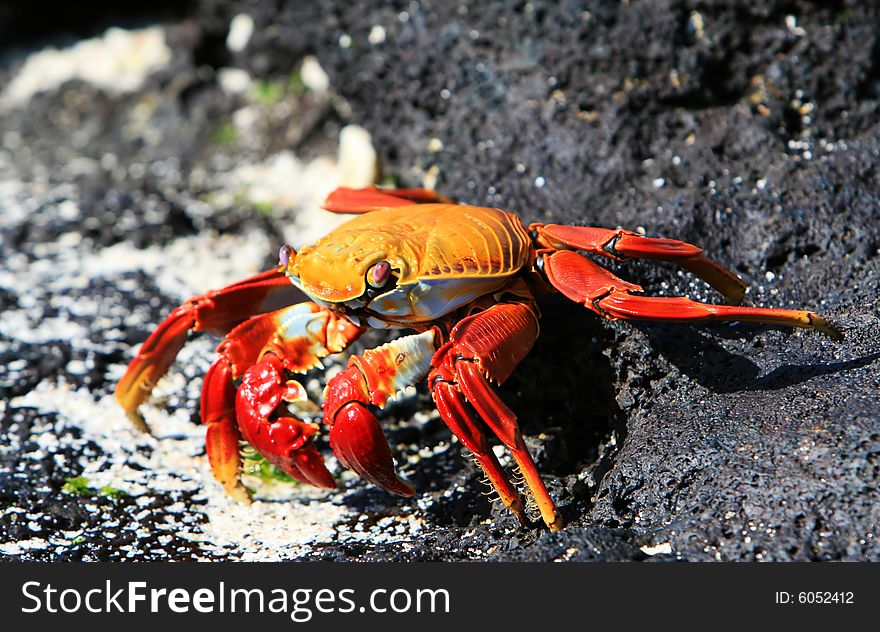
(701, 358)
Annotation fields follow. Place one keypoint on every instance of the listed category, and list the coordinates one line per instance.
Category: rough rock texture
(749, 128)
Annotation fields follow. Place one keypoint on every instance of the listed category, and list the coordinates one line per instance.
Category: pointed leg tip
(558, 524)
(825, 326)
(834, 333)
(132, 391)
(137, 420)
(407, 490)
(240, 494)
(520, 514)
(395, 485)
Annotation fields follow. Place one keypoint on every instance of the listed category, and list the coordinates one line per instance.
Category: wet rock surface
(750, 129)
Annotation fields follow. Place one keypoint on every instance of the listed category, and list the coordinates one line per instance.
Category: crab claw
(356, 436)
(285, 441)
(359, 443)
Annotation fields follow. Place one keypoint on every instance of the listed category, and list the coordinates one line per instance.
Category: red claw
(359, 443)
(356, 436)
(283, 440)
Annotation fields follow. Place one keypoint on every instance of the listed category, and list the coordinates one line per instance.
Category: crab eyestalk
(286, 254)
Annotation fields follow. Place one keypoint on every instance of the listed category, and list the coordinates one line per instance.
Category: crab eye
(284, 254)
(378, 274)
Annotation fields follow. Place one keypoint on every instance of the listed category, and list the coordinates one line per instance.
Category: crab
(463, 279)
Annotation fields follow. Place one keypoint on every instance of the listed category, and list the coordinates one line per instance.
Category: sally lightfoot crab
(463, 279)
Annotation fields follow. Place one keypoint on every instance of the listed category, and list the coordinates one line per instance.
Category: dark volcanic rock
(750, 129)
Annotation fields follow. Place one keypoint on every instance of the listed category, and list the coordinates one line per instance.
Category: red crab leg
(344, 200)
(623, 244)
(455, 412)
(263, 348)
(217, 311)
(597, 289)
(489, 344)
(371, 379)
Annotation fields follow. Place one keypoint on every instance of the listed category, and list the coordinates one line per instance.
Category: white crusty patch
(358, 162)
(665, 548)
(186, 266)
(284, 183)
(313, 76)
(23, 546)
(279, 525)
(200, 262)
(241, 28)
(117, 62)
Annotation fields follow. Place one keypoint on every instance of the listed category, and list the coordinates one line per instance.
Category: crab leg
(262, 349)
(216, 311)
(222, 434)
(623, 244)
(588, 283)
(489, 344)
(344, 200)
(371, 379)
(454, 410)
